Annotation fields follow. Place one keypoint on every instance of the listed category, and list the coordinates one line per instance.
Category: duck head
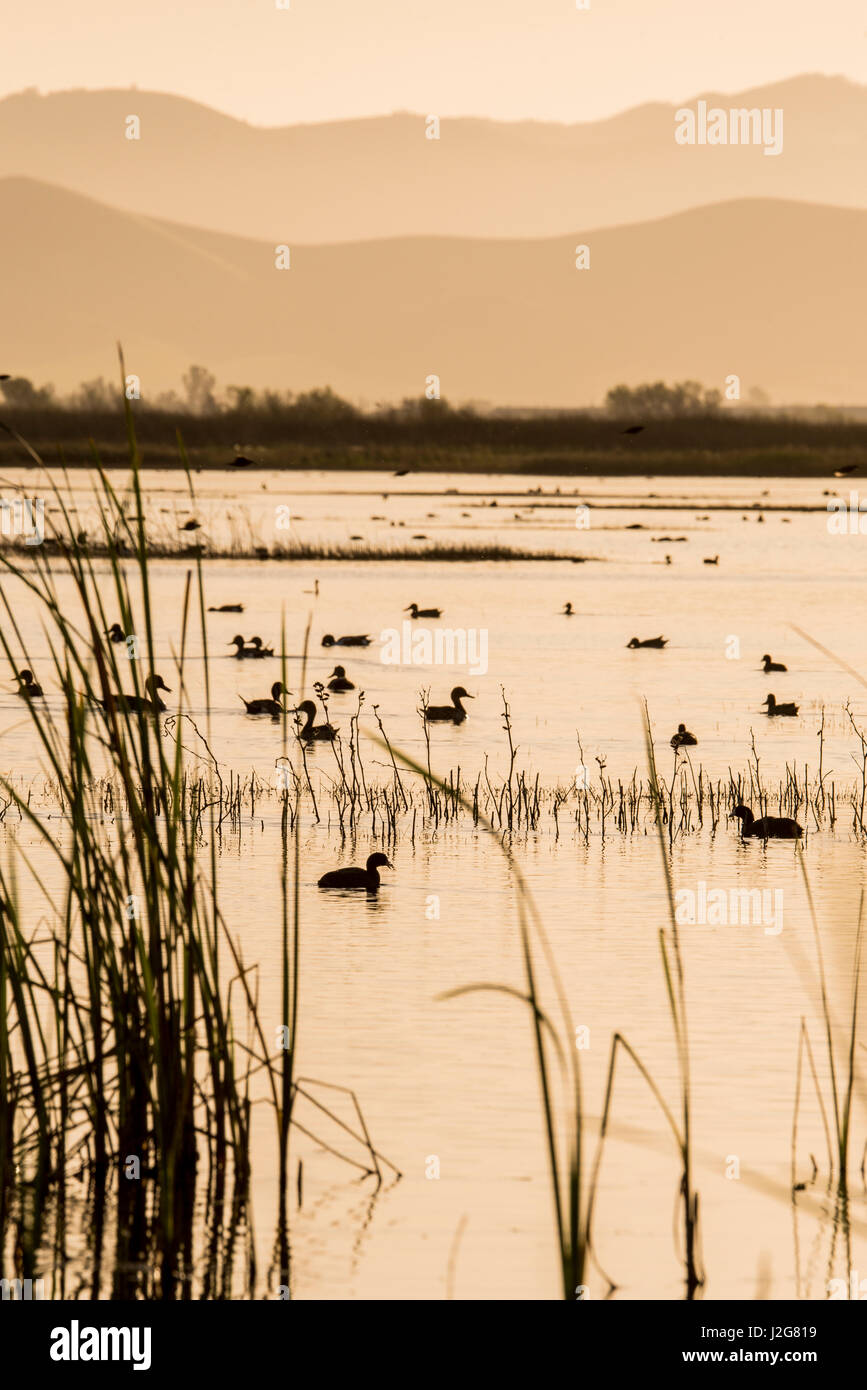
(328, 640)
(378, 861)
(155, 682)
(339, 672)
(237, 641)
(633, 642)
(277, 690)
(460, 694)
(25, 677)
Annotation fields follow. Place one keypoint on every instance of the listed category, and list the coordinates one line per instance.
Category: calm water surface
(455, 1079)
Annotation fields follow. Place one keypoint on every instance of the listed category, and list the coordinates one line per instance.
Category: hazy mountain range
(363, 179)
(771, 290)
(456, 257)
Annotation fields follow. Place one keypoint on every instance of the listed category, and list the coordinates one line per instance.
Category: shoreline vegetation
(681, 430)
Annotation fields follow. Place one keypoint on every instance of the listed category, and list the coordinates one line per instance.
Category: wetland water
(456, 1080)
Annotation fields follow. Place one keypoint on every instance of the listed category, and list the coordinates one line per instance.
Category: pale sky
(508, 59)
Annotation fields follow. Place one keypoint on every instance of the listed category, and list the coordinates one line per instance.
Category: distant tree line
(200, 398)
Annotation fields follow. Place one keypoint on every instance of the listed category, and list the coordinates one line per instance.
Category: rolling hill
(380, 177)
(772, 290)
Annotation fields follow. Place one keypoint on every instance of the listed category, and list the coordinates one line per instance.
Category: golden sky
(508, 59)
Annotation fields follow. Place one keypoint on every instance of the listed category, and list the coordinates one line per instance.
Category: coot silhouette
(367, 877)
(768, 827)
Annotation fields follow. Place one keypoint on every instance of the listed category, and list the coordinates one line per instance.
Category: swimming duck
(367, 877)
(254, 652)
(773, 708)
(769, 827)
(772, 665)
(453, 713)
(413, 608)
(648, 642)
(228, 608)
(329, 641)
(683, 738)
(136, 704)
(27, 687)
(338, 680)
(312, 731)
(116, 633)
(567, 611)
(274, 706)
(260, 647)
(712, 560)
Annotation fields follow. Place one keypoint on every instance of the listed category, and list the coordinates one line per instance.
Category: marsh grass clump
(132, 1051)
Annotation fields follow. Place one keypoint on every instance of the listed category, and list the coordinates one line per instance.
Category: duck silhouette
(141, 704)
(449, 714)
(312, 732)
(274, 706)
(567, 611)
(28, 689)
(774, 709)
(338, 680)
(115, 633)
(358, 641)
(228, 608)
(772, 665)
(252, 651)
(768, 827)
(413, 608)
(683, 738)
(647, 642)
(367, 878)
